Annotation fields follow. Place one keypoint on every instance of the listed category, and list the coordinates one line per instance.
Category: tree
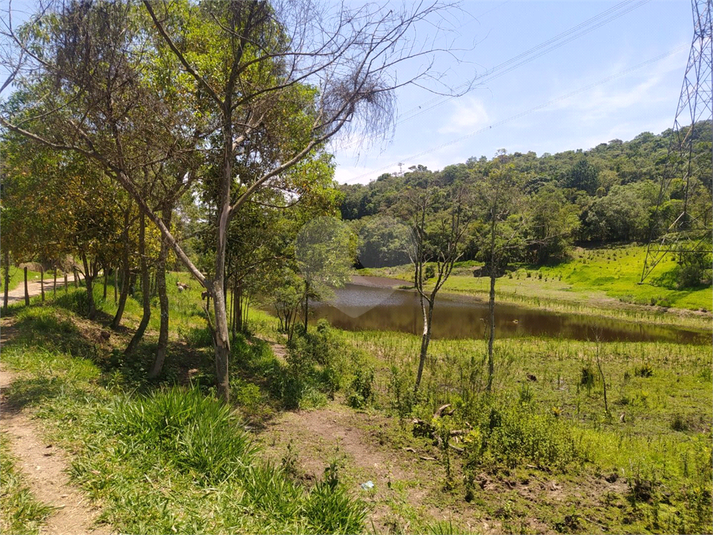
(583, 176)
(276, 82)
(501, 236)
(325, 252)
(56, 205)
(553, 223)
(438, 224)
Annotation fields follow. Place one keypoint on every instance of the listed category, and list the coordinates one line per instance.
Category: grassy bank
(549, 442)
(595, 281)
(543, 452)
(637, 462)
(158, 457)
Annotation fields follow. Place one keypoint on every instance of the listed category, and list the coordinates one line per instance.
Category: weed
(644, 370)
(587, 377)
(361, 389)
(679, 423)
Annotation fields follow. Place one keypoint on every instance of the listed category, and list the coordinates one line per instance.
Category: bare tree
(275, 84)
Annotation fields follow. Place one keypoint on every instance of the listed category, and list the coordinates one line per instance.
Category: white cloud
(468, 114)
(620, 94)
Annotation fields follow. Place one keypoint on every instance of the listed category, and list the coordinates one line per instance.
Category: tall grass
(172, 460)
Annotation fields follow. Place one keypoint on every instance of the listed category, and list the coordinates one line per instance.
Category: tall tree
(275, 81)
(501, 232)
(438, 224)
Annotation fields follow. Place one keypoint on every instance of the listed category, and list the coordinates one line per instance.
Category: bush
(401, 391)
(329, 508)
(361, 389)
(199, 337)
(315, 363)
(193, 432)
(643, 371)
(512, 434)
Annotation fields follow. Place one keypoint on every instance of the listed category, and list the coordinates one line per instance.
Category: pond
(372, 303)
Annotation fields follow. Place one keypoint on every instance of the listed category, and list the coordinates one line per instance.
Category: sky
(548, 76)
(590, 72)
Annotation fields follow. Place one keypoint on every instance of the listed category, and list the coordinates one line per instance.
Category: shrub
(329, 508)
(512, 434)
(587, 377)
(401, 391)
(643, 371)
(199, 337)
(679, 423)
(361, 389)
(194, 432)
(315, 363)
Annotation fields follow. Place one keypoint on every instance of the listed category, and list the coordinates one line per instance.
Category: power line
(535, 52)
(523, 113)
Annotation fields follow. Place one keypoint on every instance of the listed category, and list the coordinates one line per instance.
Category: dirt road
(34, 287)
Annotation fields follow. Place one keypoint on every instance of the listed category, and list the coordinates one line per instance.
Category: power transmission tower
(681, 227)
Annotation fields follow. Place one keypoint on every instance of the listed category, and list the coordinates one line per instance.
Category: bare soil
(34, 287)
(45, 467)
(406, 483)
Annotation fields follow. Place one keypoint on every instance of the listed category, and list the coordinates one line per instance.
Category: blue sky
(614, 81)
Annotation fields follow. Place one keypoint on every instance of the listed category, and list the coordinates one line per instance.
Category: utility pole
(687, 231)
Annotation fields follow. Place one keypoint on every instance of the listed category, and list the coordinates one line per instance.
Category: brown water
(369, 303)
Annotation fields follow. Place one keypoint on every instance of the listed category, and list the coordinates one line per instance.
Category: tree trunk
(106, 282)
(66, 284)
(76, 277)
(7, 282)
(124, 274)
(491, 307)
(42, 282)
(145, 290)
(222, 342)
(162, 299)
(116, 286)
(27, 293)
(427, 311)
(306, 311)
(54, 284)
(238, 297)
(88, 283)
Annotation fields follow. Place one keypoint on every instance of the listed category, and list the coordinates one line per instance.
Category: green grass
(657, 431)
(20, 512)
(166, 458)
(170, 460)
(17, 276)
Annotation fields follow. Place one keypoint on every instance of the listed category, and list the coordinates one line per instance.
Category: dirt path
(34, 287)
(402, 480)
(45, 468)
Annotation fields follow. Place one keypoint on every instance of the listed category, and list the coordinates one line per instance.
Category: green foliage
(193, 432)
(513, 434)
(383, 241)
(361, 392)
(694, 269)
(199, 337)
(401, 394)
(330, 509)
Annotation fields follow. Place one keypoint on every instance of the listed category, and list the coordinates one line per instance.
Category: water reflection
(372, 305)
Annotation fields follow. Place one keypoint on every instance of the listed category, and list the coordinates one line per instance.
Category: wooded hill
(599, 196)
